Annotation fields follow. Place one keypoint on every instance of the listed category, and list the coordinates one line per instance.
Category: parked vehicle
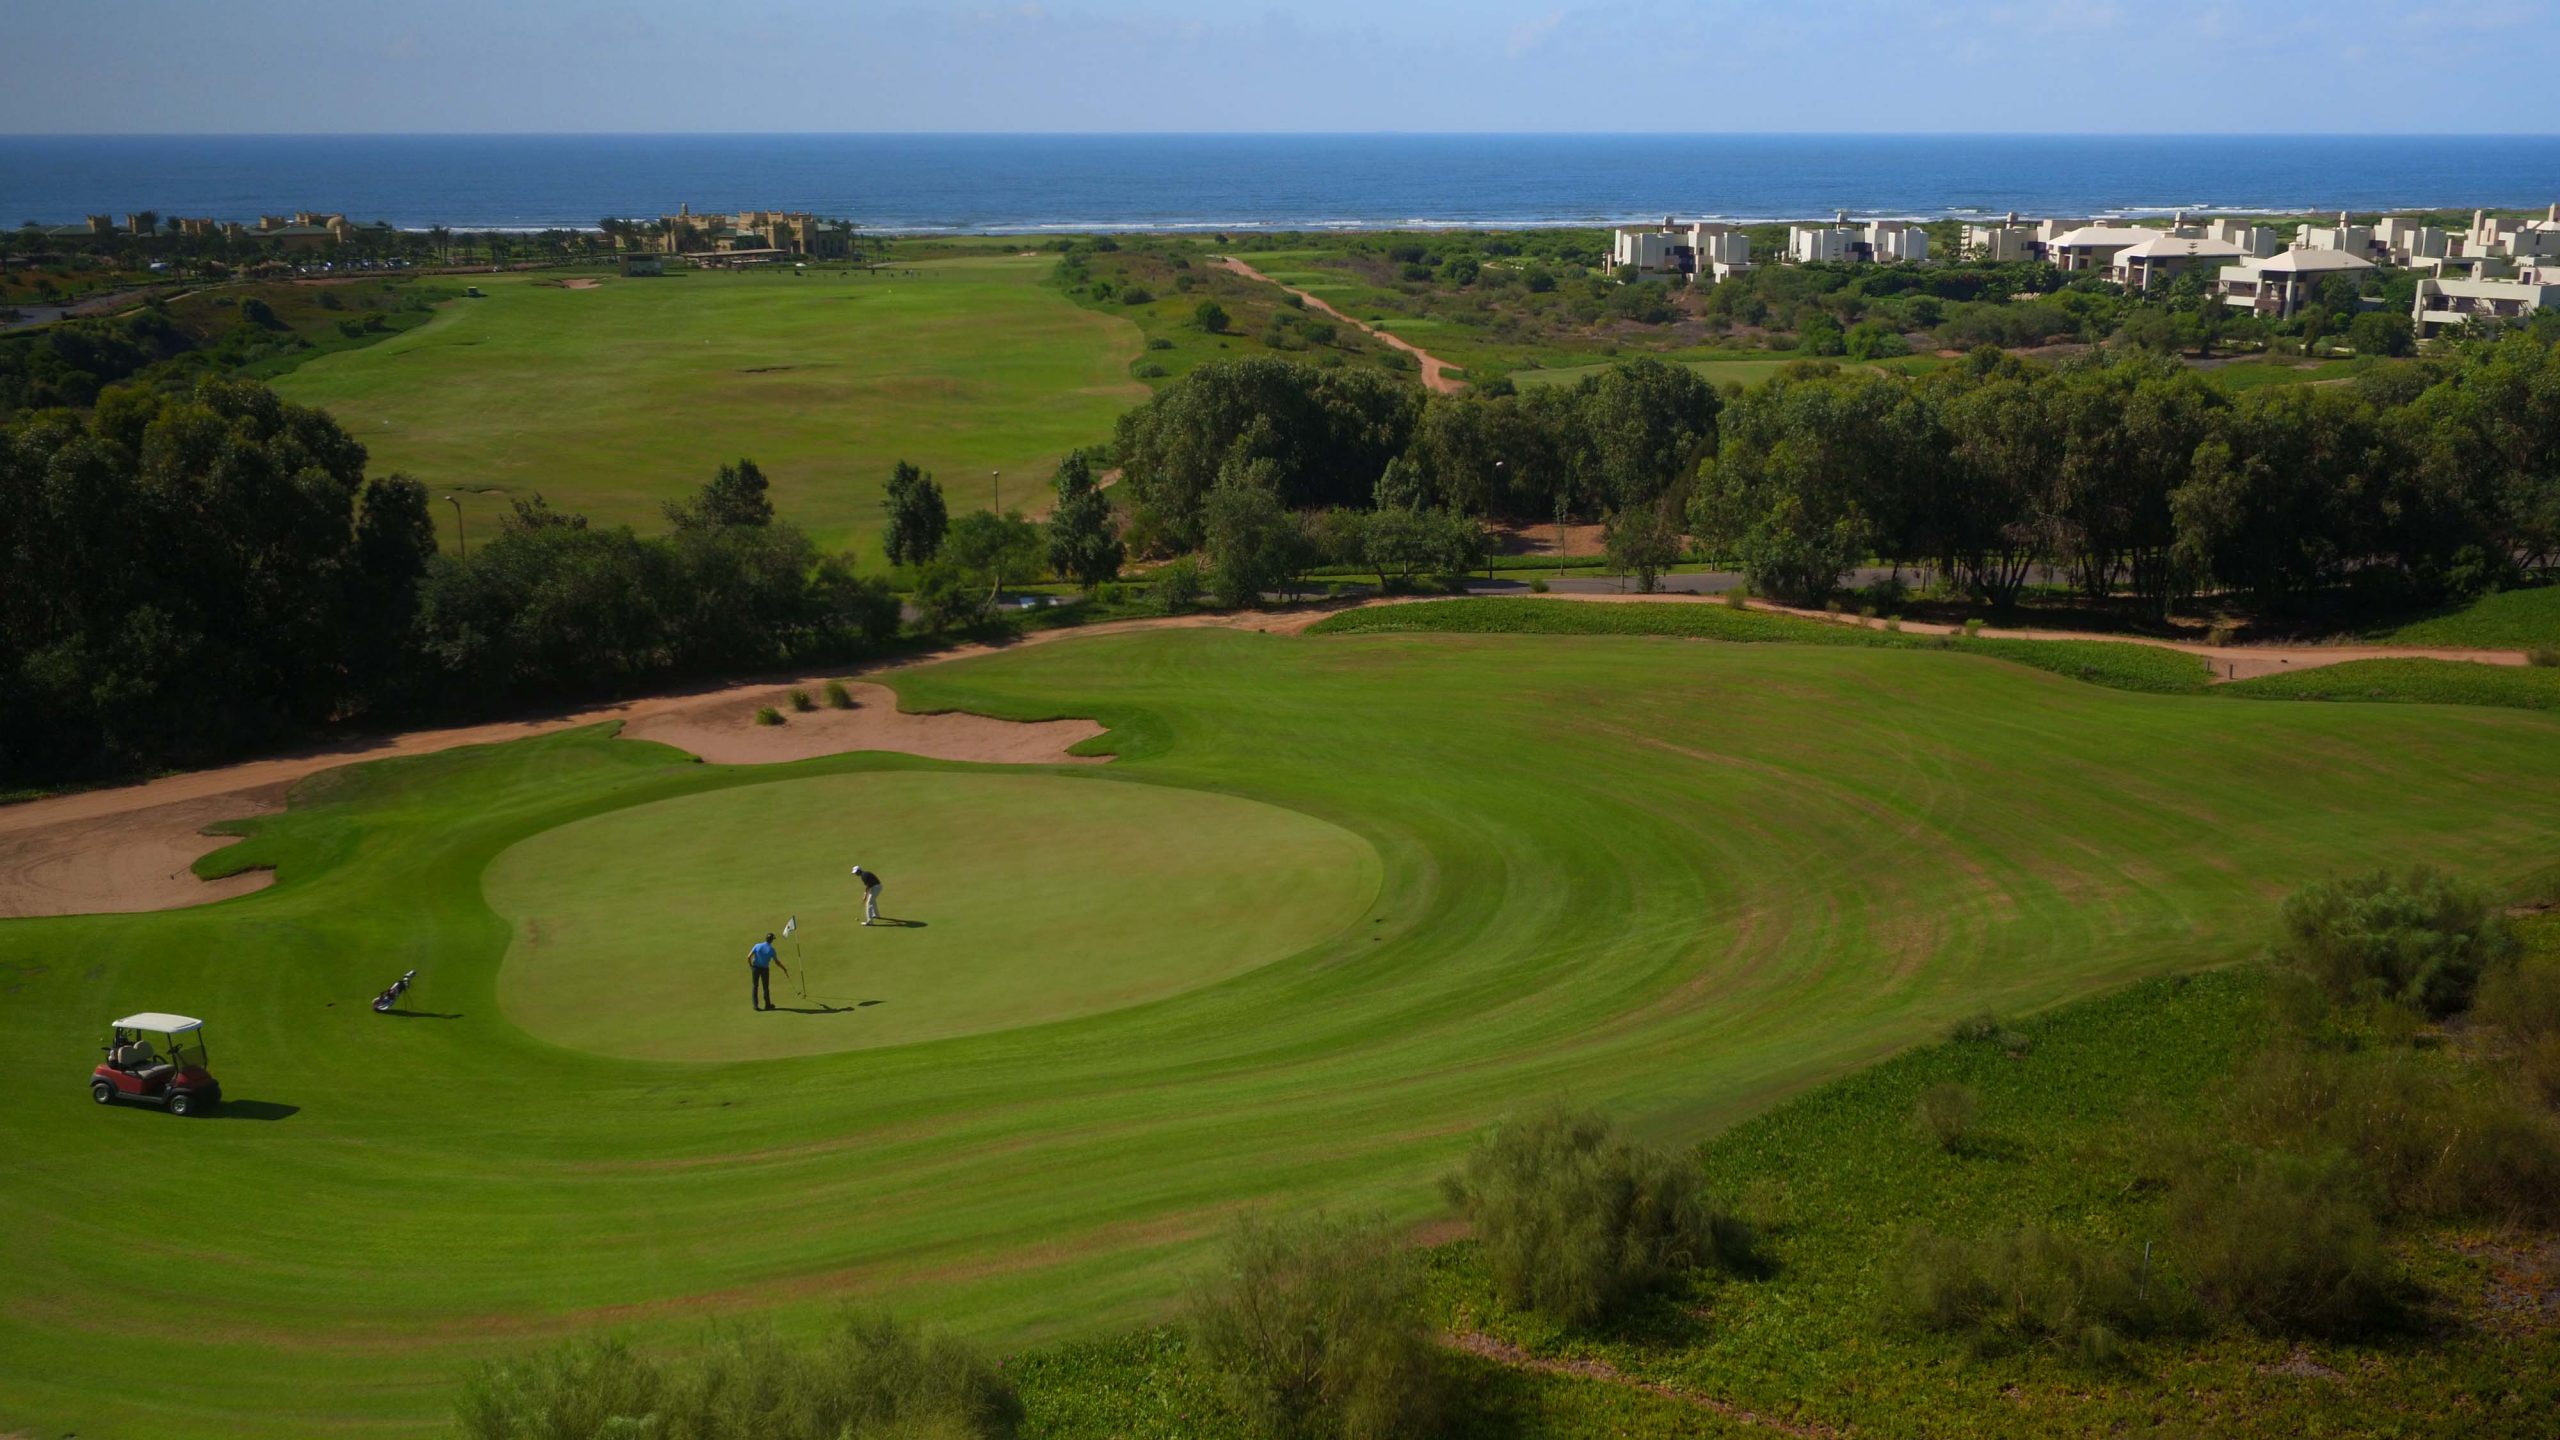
(172, 1074)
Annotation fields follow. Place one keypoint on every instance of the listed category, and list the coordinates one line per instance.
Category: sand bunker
(725, 731)
(122, 860)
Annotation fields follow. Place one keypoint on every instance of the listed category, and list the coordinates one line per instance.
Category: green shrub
(867, 1379)
(1315, 1328)
(1177, 587)
(1577, 1222)
(1893, 623)
(1137, 295)
(801, 702)
(2520, 1006)
(1538, 586)
(1739, 598)
(2028, 1285)
(767, 715)
(2543, 657)
(838, 697)
(948, 597)
(2283, 1243)
(2418, 936)
(1986, 1029)
(1945, 1113)
(1972, 629)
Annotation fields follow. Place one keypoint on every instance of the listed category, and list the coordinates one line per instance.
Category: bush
(1538, 586)
(1176, 587)
(1315, 1328)
(868, 1379)
(1972, 628)
(2543, 657)
(1945, 1113)
(1986, 1029)
(767, 715)
(949, 597)
(838, 698)
(1211, 316)
(2283, 1244)
(801, 702)
(1137, 295)
(2031, 1285)
(2418, 937)
(1739, 598)
(1577, 1222)
(2520, 1005)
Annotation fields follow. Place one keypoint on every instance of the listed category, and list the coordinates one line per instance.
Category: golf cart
(172, 1075)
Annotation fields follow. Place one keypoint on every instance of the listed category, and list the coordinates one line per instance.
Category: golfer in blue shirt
(761, 963)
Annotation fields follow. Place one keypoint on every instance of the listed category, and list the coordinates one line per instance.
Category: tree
(1788, 491)
(917, 517)
(1082, 544)
(2382, 332)
(1325, 433)
(1253, 546)
(1211, 316)
(1647, 424)
(735, 496)
(1643, 541)
(991, 547)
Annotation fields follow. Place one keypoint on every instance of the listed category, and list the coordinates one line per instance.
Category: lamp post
(1497, 485)
(458, 535)
(999, 479)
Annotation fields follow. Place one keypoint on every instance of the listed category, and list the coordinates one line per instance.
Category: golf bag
(383, 1002)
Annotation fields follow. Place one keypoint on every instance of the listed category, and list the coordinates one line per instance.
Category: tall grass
(1313, 1328)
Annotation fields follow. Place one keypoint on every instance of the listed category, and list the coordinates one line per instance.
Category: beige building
(795, 234)
(2450, 303)
(2281, 284)
(1707, 250)
(2162, 258)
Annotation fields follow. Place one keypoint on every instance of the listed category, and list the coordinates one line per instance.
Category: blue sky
(2157, 66)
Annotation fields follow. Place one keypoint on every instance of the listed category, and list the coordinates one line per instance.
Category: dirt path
(1516, 1358)
(2230, 662)
(130, 848)
(1435, 371)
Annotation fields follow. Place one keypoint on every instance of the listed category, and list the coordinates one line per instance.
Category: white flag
(790, 925)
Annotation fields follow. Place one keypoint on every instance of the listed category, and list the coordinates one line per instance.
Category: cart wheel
(101, 1091)
(181, 1104)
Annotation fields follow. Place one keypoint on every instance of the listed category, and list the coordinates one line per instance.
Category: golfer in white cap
(870, 893)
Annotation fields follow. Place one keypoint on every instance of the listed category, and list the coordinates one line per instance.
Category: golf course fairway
(612, 399)
(1677, 880)
(1049, 897)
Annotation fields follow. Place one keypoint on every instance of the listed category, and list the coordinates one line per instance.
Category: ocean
(1032, 184)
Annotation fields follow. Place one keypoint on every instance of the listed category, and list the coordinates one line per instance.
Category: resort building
(2095, 247)
(2404, 242)
(793, 234)
(2278, 285)
(2449, 303)
(1707, 249)
(2517, 240)
(1844, 241)
(2167, 255)
(2012, 241)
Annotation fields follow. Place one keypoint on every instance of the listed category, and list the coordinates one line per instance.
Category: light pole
(999, 479)
(458, 535)
(1497, 485)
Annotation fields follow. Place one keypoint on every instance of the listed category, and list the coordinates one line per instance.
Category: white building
(2004, 242)
(2278, 285)
(2166, 255)
(1673, 251)
(2342, 237)
(1845, 241)
(2404, 242)
(2256, 241)
(2448, 303)
(2518, 240)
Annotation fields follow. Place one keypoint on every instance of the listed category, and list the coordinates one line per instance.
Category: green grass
(1740, 369)
(2424, 682)
(2244, 375)
(2508, 620)
(613, 399)
(1682, 882)
(2148, 668)
(631, 928)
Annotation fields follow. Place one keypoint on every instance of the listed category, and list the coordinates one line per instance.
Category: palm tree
(442, 239)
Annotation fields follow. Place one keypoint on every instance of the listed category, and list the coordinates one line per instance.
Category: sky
(1087, 66)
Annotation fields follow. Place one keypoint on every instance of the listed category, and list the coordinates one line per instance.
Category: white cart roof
(154, 1020)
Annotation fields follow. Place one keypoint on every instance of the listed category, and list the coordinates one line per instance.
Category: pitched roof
(2182, 247)
(2304, 260)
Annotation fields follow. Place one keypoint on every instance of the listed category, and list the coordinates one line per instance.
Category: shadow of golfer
(895, 924)
(810, 1009)
(423, 1014)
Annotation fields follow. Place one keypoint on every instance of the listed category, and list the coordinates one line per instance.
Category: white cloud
(1532, 34)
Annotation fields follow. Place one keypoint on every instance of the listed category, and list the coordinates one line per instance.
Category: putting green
(1012, 900)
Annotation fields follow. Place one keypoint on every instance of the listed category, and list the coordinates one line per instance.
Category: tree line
(2125, 471)
(190, 576)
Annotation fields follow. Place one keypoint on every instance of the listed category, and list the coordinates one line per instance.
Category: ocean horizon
(1066, 184)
